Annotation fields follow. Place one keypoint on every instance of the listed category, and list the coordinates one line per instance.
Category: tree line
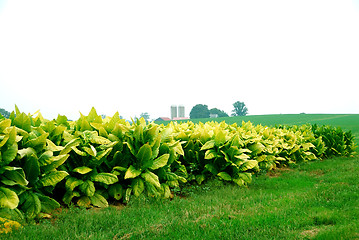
(202, 111)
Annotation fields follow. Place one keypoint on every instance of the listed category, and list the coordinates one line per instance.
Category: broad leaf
(52, 178)
(69, 195)
(68, 147)
(31, 204)
(9, 154)
(106, 178)
(249, 164)
(38, 143)
(82, 170)
(22, 121)
(211, 168)
(211, 153)
(88, 188)
(132, 172)
(144, 156)
(8, 198)
(200, 178)
(151, 178)
(25, 152)
(160, 161)
(13, 176)
(225, 176)
(48, 204)
(52, 147)
(91, 150)
(98, 200)
(4, 124)
(84, 201)
(208, 145)
(32, 168)
(72, 182)
(137, 186)
(116, 191)
(55, 162)
(246, 176)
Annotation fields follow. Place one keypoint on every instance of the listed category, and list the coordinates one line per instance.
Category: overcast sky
(144, 56)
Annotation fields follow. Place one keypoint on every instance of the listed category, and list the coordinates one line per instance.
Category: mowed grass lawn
(315, 200)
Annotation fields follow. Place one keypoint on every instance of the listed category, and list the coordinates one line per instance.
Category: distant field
(345, 121)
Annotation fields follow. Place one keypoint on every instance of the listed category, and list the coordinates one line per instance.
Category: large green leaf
(45, 158)
(72, 143)
(14, 176)
(38, 143)
(144, 156)
(82, 170)
(8, 198)
(12, 214)
(103, 153)
(12, 137)
(116, 191)
(220, 136)
(256, 148)
(69, 195)
(3, 140)
(208, 145)
(52, 146)
(26, 152)
(159, 162)
(100, 140)
(32, 168)
(249, 164)
(98, 200)
(88, 188)
(225, 176)
(22, 121)
(48, 204)
(106, 178)
(56, 161)
(246, 176)
(72, 182)
(5, 123)
(210, 153)
(9, 154)
(52, 178)
(90, 150)
(31, 204)
(137, 186)
(84, 201)
(200, 178)
(211, 168)
(151, 178)
(132, 172)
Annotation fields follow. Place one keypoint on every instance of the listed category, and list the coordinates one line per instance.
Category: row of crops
(93, 161)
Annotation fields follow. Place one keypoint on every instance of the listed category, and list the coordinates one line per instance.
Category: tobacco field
(91, 162)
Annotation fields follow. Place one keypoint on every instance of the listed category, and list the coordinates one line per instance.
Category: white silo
(173, 111)
(181, 111)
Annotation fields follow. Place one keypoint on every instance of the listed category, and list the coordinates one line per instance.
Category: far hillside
(345, 121)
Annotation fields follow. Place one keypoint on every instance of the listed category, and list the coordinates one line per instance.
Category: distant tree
(240, 109)
(145, 115)
(219, 112)
(199, 111)
(4, 113)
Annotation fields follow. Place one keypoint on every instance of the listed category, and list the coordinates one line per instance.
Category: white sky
(144, 56)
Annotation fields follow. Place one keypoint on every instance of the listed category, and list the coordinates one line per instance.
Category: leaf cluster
(93, 161)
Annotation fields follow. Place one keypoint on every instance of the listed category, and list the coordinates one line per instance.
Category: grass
(316, 200)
